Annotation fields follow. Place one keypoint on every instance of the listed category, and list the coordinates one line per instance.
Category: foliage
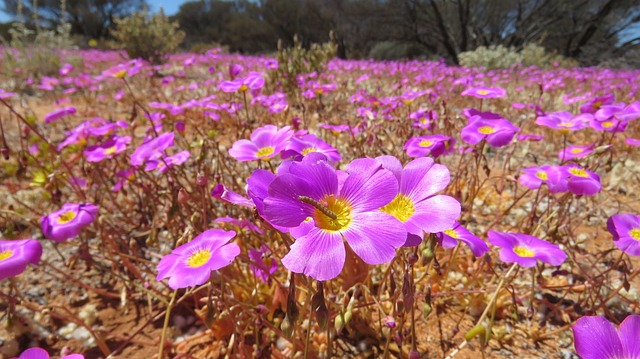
(88, 18)
(298, 60)
(34, 53)
(150, 38)
(500, 57)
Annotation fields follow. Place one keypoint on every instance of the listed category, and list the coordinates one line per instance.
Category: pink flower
(266, 142)
(108, 149)
(68, 221)
(575, 151)
(435, 146)
(596, 338)
(16, 254)
(55, 115)
(485, 92)
(191, 264)
(252, 81)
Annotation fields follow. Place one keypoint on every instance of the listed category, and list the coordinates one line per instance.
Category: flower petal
(319, 254)
(596, 338)
(630, 336)
(374, 236)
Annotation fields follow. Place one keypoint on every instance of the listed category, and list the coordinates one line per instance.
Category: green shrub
(500, 57)
(297, 60)
(148, 37)
(34, 53)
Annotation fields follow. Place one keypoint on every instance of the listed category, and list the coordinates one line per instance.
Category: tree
(90, 18)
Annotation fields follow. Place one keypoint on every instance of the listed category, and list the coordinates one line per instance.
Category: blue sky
(170, 7)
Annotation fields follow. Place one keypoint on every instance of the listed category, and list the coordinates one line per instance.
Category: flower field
(204, 208)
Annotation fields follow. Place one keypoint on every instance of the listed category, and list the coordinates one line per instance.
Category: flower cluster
(558, 179)
(374, 204)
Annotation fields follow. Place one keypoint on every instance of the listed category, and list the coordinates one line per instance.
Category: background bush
(148, 37)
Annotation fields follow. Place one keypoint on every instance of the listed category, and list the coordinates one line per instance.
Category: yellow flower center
(565, 124)
(634, 233)
(67, 217)
(607, 124)
(111, 150)
(319, 91)
(483, 92)
(400, 207)
(425, 143)
(486, 130)
(5, 254)
(407, 102)
(596, 104)
(120, 74)
(199, 258)
(576, 150)
(542, 175)
(578, 172)
(452, 233)
(523, 251)
(243, 88)
(329, 207)
(308, 150)
(265, 151)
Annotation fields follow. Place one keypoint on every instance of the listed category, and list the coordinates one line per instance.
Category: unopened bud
(412, 258)
(201, 180)
(183, 196)
(390, 322)
(414, 354)
(287, 327)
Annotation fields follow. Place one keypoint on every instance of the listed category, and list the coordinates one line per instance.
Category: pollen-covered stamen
(486, 130)
(523, 251)
(317, 205)
(5, 255)
(265, 151)
(331, 213)
(401, 207)
(67, 217)
(635, 234)
(425, 143)
(542, 175)
(199, 258)
(452, 233)
(578, 172)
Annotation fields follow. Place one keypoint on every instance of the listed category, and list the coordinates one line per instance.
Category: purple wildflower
(55, 115)
(252, 81)
(152, 149)
(565, 121)
(16, 254)
(307, 198)
(533, 178)
(68, 221)
(625, 229)
(301, 146)
(596, 338)
(108, 149)
(435, 146)
(575, 151)
(163, 164)
(191, 264)
(525, 250)
(497, 132)
(449, 238)
(266, 142)
(581, 181)
(417, 205)
(485, 92)
(262, 265)
(596, 103)
(39, 353)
